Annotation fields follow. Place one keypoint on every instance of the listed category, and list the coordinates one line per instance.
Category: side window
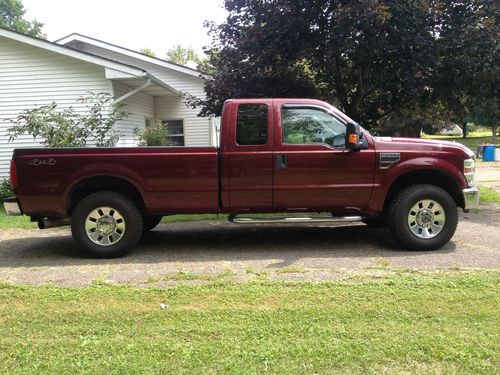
(311, 125)
(251, 125)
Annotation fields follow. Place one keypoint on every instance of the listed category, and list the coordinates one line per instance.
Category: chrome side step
(294, 220)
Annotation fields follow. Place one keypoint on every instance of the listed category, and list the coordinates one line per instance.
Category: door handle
(281, 161)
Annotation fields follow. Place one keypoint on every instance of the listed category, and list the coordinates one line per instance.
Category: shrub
(155, 135)
(5, 189)
(67, 128)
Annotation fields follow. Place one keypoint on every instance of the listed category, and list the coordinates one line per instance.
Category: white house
(35, 72)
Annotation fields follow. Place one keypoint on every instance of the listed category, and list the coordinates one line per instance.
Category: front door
(312, 168)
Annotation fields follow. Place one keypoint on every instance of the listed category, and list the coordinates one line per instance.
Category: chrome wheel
(426, 218)
(105, 226)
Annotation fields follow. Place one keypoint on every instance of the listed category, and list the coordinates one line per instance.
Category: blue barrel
(489, 153)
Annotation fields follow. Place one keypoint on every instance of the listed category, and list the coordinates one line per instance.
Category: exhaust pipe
(52, 223)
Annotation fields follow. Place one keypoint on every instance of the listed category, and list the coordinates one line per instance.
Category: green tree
(181, 55)
(64, 127)
(148, 51)
(468, 65)
(12, 14)
(377, 60)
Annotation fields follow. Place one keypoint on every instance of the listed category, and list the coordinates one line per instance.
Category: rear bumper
(12, 206)
(471, 197)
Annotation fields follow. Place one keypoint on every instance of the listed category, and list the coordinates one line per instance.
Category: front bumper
(12, 206)
(471, 197)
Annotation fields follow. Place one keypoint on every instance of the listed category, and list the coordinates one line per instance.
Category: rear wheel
(106, 225)
(423, 217)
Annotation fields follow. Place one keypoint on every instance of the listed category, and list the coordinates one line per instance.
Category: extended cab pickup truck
(283, 156)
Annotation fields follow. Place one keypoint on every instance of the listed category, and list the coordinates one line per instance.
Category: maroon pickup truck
(284, 156)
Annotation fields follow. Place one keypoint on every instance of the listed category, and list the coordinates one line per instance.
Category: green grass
(15, 221)
(488, 195)
(440, 323)
(189, 218)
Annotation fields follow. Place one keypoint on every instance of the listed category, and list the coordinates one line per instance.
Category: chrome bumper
(12, 206)
(471, 197)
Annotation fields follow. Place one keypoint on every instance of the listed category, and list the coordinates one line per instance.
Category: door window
(312, 125)
(251, 125)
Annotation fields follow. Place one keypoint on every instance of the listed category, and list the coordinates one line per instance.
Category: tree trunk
(464, 129)
(494, 131)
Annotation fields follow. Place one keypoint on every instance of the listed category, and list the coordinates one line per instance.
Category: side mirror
(352, 136)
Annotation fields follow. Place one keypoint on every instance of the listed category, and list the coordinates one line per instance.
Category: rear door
(312, 168)
(248, 157)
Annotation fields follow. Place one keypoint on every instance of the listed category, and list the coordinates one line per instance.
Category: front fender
(385, 179)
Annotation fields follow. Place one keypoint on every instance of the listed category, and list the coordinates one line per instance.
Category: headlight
(469, 171)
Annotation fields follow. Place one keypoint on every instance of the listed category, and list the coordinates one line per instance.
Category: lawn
(410, 323)
(488, 195)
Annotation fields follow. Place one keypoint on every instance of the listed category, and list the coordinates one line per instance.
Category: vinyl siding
(31, 77)
(196, 129)
(140, 106)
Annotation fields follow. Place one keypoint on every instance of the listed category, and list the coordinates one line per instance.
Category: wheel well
(95, 184)
(428, 176)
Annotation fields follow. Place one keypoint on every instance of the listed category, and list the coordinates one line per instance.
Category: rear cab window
(252, 124)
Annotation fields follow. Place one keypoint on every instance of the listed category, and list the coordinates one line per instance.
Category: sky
(156, 24)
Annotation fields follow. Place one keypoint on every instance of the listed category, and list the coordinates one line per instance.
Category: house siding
(139, 106)
(197, 130)
(31, 77)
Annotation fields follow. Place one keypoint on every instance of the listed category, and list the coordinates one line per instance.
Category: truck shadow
(217, 241)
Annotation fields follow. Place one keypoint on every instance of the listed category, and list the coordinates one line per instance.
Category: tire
(423, 217)
(106, 225)
(150, 222)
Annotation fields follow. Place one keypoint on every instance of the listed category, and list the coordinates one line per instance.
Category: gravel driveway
(221, 250)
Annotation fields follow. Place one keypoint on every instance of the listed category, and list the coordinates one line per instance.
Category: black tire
(401, 207)
(130, 219)
(150, 222)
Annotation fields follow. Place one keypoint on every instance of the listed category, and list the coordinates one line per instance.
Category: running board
(294, 220)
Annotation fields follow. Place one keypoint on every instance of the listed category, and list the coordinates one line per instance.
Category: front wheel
(106, 225)
(423, 217)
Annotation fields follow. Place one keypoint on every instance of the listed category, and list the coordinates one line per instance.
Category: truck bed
(170, 179)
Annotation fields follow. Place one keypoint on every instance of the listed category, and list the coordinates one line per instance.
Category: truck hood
(423, 145)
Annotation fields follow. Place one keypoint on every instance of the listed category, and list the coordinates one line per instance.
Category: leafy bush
(67, 128)
(155, 135)
(5, 190)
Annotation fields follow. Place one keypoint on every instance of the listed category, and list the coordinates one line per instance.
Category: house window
(148, 122)
(175, 132)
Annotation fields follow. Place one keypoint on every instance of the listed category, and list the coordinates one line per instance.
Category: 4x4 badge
(38, 162)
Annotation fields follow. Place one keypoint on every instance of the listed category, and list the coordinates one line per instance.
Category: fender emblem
(38, 162)
(387, 159)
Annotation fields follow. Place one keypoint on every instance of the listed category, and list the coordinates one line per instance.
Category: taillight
(13, 174)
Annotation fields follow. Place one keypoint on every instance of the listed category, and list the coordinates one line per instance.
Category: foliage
(487, 113)
(412, 322)
(12, 17)
(467, 66)
(148, 51)
(376, 60)
(5, 189)
(155, 135)
(67, 127)
(181, 55)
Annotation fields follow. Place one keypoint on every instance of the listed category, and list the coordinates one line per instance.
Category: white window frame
(183, 135)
